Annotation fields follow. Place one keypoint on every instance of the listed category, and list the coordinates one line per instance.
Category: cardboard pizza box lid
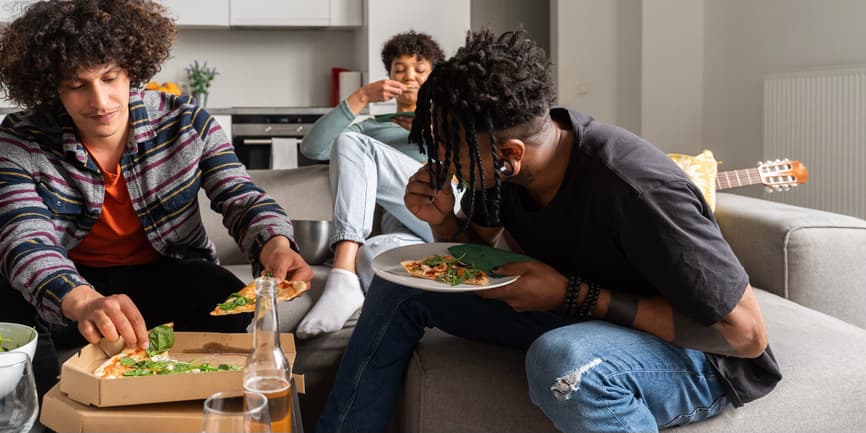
(80, 384)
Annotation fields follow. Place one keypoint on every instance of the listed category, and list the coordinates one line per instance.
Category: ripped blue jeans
(590, 376)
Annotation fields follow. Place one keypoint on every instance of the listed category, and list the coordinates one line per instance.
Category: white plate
(387, 266)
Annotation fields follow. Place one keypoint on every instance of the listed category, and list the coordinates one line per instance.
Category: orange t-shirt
(117, 238)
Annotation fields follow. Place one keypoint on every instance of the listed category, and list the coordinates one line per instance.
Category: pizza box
(62, 414)
(80, 384)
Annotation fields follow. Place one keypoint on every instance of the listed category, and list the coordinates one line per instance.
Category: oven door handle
(253, 141)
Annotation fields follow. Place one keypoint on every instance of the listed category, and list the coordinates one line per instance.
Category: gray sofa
(809, 266)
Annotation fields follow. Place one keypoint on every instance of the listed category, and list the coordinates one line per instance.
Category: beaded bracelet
(572, 292)
(579, 311)
(587, 307)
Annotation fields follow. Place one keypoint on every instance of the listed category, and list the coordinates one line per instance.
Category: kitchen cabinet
(346, 13)
(199, 13)
(280, 13)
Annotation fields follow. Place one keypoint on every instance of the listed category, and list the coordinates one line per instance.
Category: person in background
(635, 313)
(370, 162)
(99, 182)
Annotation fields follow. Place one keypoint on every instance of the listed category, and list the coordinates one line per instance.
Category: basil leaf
(161, 338)
(127, 361)
(235, 300)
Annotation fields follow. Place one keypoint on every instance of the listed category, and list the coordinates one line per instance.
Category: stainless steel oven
(266, 138)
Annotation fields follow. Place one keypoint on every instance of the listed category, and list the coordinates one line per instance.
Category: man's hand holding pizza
(278, 258)
(109, 316)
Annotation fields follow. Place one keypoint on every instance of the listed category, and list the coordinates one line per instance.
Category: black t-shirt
(627, 218)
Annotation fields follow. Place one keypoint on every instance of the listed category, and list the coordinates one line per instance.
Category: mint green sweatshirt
(318, 141)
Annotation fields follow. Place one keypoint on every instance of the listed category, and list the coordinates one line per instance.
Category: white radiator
(819, 118)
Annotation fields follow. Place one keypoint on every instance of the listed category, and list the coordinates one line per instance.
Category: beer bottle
(267, 369)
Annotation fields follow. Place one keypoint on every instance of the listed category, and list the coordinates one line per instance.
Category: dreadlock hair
(493, 83)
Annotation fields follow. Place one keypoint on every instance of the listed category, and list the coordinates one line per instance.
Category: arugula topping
(456, 272)
(235, 300)
(437, 260)
(149, 367)
(161, 338)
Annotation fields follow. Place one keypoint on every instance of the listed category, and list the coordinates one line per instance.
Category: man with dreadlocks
(635, 315)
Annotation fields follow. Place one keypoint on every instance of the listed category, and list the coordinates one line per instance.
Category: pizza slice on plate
(244, 301)
(446, 269)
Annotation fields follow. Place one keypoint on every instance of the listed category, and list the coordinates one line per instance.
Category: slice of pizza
(446, 269)
(160, 339)
(154, 360)
(244, 300)
(113, 368)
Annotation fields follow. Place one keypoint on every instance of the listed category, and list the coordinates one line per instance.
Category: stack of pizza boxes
(85, 401)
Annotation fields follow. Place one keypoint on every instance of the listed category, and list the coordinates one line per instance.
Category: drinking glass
(245, 412)
(19, 404)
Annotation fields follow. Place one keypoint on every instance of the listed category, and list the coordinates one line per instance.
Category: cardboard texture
(62, 414)
(79, 383)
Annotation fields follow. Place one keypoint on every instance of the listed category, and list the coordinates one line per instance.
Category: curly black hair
(409, 43)
(55, 39)
(493, 83)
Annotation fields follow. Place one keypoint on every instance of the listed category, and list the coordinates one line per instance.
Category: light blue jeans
(364, 172)
(600, 377)
(587, 377)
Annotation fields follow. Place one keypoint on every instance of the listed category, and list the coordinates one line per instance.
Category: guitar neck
(737, 178)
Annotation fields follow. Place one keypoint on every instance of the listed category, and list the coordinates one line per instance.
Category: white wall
(503, 15)
(265, 68)
(672, 80)
(447, 21)
(585, 57)
(629, 69)
(747, 39)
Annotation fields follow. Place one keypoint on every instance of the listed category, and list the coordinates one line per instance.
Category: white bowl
(20, 337)
(23, 339)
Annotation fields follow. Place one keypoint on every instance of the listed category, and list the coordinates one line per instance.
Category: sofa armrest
(812, 257)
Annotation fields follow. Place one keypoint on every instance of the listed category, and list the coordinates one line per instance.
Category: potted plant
(200, 77)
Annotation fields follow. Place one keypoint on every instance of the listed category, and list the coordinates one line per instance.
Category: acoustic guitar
(778, 175)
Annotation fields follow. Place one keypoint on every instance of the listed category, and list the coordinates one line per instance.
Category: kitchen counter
(270, 110)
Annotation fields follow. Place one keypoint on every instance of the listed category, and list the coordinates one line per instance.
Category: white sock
(340, 299)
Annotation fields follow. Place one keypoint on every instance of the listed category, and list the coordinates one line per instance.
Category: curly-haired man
(635, 313)
(370, 162)
(99, 220)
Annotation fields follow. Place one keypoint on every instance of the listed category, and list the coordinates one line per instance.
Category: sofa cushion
(453, 384)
